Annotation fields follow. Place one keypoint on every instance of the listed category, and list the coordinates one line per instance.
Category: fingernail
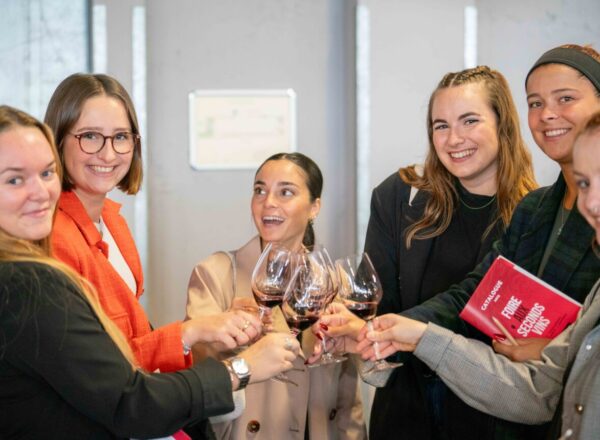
(499, 338)
(319, 336)
(323, 326)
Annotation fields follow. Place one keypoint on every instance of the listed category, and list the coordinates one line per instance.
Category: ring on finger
(288, 343)
(245, 326)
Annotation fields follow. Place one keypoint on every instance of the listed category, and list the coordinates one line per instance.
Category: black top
(459, 248)
(62, 376)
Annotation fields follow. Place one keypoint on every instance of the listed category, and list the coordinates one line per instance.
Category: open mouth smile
(462, 154)
(272, 220)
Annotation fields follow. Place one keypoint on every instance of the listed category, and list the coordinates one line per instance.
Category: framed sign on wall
(239, 129)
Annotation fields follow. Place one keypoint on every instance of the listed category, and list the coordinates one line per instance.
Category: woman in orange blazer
(98, 140)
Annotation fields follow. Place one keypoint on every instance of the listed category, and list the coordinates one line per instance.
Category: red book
(525, 305)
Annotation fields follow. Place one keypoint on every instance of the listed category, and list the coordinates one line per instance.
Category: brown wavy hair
(515, 171)
(14, 249)
(64, 110)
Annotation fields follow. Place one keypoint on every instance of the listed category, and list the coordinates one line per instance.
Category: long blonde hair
(16, 250)
(515, 176)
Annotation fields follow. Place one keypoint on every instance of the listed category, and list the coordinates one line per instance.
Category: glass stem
(375, 344)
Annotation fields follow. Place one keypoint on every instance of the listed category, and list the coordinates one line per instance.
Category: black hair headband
(579, 61)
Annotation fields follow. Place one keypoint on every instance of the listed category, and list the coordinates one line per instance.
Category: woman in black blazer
(430, 225)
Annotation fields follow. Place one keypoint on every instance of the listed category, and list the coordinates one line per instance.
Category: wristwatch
(240, 369)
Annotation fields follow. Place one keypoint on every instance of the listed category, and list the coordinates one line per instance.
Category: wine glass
(326, 356)
(271, 276)
(307, 293)
(361, 291)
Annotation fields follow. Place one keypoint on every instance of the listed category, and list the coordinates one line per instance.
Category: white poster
(239, 129)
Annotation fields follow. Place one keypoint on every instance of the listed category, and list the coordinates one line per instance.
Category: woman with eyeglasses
(97, 136)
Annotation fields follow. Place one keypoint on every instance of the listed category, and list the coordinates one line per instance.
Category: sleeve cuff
(211, 389)
(433, 344)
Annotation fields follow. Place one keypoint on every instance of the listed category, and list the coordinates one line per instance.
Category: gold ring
(246, 325)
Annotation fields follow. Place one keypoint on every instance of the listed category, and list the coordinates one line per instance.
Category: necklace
(476, 208)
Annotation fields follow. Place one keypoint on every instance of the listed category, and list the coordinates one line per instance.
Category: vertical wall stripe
(470, 43)
(99, 42)
(138, 41)
(363, 121)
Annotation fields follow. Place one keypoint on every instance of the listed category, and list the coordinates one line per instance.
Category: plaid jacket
(572, 266)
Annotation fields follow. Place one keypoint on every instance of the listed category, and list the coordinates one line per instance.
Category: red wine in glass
(271, 275)
(361, 291)
(307, 293)
(364, 310)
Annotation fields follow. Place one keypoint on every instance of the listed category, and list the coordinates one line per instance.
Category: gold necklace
(475, 208)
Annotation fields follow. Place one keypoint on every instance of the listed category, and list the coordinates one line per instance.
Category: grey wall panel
(513, 34)
(257, 44)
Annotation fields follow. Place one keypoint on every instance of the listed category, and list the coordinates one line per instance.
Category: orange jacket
(77, 242)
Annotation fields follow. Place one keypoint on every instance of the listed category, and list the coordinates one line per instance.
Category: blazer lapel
(570, 248)
(533, 243)
(245, 260)
(70, 204)
(412, 261)
(122, 236)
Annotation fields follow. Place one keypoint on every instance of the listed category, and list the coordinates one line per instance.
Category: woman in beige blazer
(326, 401)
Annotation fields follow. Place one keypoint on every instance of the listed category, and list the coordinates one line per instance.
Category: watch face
(240, 366)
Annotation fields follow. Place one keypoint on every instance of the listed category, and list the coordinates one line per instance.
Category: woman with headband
(547, 235)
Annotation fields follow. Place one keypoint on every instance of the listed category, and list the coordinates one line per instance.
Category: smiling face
(94, 175)
(465, 136)
(281, 203)
(586, 168)
(29, 184)
(560, 101)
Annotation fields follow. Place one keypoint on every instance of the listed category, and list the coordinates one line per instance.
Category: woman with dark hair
(323, 403)
(98, 141)
(66, 370)
(431, 225)
(547, 236)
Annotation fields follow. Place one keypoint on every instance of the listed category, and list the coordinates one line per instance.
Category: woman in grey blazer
(325, 400)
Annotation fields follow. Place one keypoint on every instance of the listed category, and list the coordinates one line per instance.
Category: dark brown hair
(314, 182)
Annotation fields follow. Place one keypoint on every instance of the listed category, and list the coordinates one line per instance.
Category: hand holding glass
(361, 291)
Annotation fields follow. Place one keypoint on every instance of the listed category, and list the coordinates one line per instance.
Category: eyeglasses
(92, 142)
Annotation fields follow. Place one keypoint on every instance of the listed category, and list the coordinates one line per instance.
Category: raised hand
(224, 331)
(393, 333)
(272, 354)
(341, 326)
